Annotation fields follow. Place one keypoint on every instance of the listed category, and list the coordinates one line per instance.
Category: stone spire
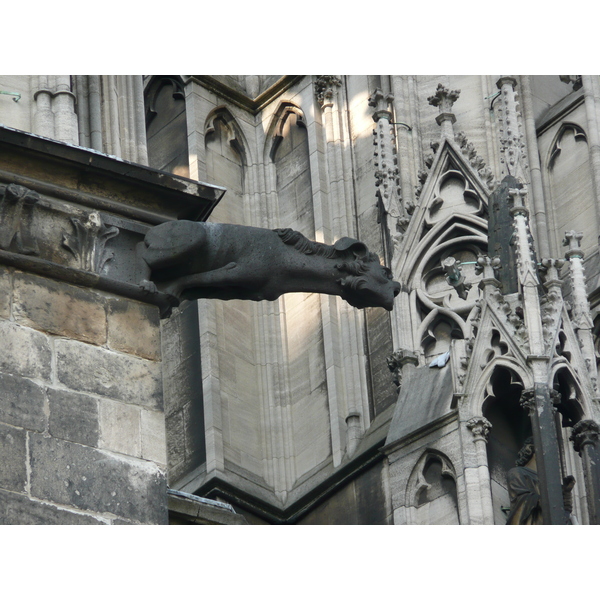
(512, 147)
(581, 314)
(387, 173)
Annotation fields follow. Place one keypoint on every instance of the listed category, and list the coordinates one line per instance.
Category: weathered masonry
(82, 411)
(474, 401)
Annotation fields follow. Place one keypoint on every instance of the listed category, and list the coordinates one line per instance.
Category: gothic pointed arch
(449, 224)
(166, 124)
(556, 146)
(431, 494)
(226, 163)
(221, 118)
(285, 117)
(510, 427)
(569, 174)
(568, 398)
(153, 88)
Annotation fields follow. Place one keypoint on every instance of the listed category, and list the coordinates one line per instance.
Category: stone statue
(524, 490)
(188, 260)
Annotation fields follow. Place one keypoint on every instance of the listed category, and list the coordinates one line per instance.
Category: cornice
(253, 106)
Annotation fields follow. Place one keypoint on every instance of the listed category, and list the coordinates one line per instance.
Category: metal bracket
(16, 94)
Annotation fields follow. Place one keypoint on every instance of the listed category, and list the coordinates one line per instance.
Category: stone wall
(82, 429)
(82, 414)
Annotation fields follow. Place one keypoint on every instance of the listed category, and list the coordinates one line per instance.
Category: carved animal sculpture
(189, 260)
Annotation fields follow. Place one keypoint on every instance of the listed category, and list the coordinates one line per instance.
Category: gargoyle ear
(356, 247)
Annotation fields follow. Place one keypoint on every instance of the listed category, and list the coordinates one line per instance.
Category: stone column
(342, 328)
(512, 147)
(581, 315)
(387, 175)
(538, 403)
(480, 428)
(43, 117)
(63, 106)
(537, 189)
(585, 438)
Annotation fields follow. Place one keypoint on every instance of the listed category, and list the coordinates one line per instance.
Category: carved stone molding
(574, 80)
(583, 433)
(527, 401)
(324, 89)
(480, 428)
(512, 146)
(476, 161)
(16, 215)
(398, 360)
(88, 241)
(444, 99)
(573, 239)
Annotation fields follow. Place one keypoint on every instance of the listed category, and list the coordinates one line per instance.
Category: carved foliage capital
(585, 432)
(398, 360)
(480, 427)
(88, 241)
(324, 88)
(527, 400)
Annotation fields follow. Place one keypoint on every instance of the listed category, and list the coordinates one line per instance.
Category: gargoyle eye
(388, 273)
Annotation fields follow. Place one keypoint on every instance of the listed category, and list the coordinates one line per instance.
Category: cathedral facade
(481, 195)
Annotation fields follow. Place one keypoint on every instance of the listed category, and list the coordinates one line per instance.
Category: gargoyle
(189, 260)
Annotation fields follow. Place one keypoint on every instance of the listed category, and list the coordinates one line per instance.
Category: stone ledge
(189, 509)
(101, 181)
(45, 268)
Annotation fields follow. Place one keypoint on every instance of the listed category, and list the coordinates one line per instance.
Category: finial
(573, 240)
(444, 99)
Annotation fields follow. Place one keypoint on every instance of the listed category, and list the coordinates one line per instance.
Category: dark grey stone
(189, 260)
(16, 509)
(500, 231)
(13, 453)
(97, 481)
(425, 396)
(21, 403)
(73, 417)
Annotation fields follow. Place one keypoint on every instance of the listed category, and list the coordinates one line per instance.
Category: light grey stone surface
(59, 309)
(86, 368)
(425, 396)
(25, 352)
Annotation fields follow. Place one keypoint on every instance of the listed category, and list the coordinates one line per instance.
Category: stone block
(59, 308)
(16, 509)
(25, 352)
(153, 434)
(73, 417)
(134, 328)
(120, 427)
(5, 292)
(86, 368)
(13, 450)
(175, 443)
(22, 403)
(96, 480)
